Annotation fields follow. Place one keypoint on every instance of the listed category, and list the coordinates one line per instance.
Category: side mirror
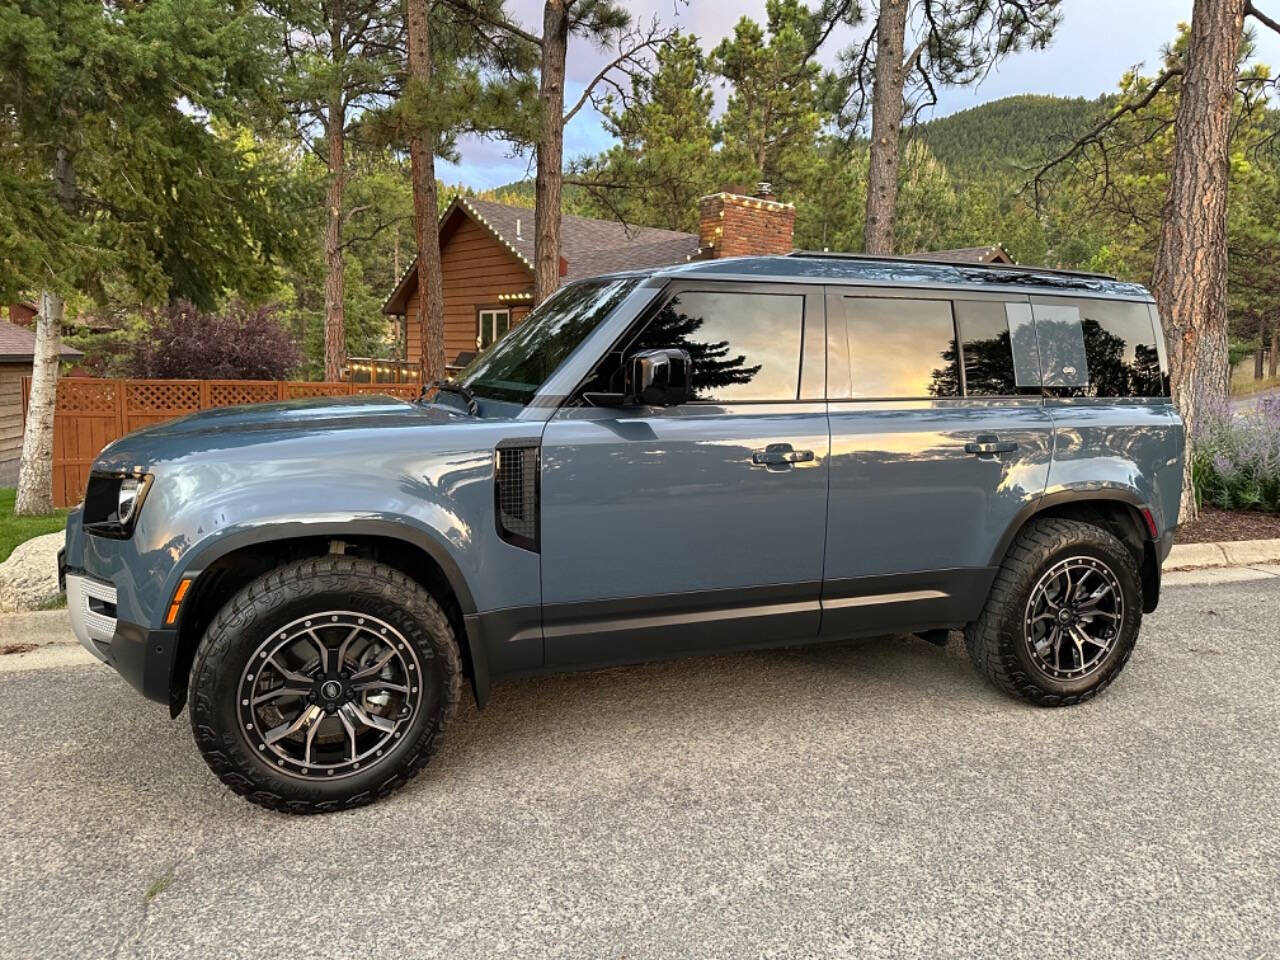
(660, 378)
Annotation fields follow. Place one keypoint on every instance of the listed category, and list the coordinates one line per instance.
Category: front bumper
(144, 657)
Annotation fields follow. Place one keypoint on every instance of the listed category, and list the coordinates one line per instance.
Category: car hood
(227, 428)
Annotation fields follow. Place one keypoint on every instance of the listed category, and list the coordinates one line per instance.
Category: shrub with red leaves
(240, 343)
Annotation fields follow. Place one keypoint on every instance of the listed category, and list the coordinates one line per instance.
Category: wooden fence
(91, 412)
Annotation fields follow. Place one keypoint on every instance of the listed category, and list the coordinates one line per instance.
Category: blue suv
(718, 456)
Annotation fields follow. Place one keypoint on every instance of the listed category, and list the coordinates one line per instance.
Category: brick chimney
(733, 225)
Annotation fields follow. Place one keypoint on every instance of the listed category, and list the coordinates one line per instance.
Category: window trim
(482, 308)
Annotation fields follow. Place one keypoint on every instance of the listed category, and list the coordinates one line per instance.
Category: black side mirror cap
(660, 378)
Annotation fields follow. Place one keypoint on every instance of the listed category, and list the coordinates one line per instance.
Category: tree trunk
(886, 127)
(35, 471)
(1257, 358)
(550, 179)
(1190, 276)
(335, 331)
(1274, 361)
(426, 205)
(35, 475)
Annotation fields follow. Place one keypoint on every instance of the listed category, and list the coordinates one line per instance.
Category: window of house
(902, 349)
(492, 323)
(745, 347)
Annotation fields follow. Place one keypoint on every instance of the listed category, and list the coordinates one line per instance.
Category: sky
(1098, 41)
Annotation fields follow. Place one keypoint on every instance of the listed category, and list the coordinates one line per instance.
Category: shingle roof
(19, 343)
(993, 254)
(588, 246)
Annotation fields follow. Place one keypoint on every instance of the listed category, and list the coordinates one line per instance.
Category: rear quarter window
(1121, 349)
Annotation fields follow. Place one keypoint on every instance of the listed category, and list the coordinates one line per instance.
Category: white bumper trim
(92, 628)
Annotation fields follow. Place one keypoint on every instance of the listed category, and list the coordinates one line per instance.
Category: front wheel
(1063, 615)
(324, 685)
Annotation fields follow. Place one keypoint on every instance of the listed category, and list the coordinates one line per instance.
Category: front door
(940, 439)
(698, 526)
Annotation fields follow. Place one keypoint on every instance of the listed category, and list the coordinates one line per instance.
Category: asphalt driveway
(861, 799)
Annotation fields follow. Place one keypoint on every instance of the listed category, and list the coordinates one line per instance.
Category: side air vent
(515, 493)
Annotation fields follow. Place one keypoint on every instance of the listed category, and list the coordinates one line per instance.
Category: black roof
(907, 272)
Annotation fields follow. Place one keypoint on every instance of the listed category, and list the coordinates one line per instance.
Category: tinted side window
(1120, 342)
(987, 350)
(902, 349)
(1121, 350)
(744, 346)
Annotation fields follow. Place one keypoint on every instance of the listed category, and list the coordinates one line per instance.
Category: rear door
(699, 526)
(1107, 389)
(939, 440)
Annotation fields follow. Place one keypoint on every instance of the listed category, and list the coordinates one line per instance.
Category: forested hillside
(1004, 137)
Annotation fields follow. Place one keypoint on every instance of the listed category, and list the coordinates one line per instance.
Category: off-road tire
(996, 640)
(283, 595)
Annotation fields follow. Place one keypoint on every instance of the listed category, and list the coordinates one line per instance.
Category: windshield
(517, 365)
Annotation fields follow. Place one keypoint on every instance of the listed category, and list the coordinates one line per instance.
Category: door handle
(780, 454)
(988, 444)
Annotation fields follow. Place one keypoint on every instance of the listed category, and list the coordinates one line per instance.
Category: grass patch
(16, 530)
(1247, 388)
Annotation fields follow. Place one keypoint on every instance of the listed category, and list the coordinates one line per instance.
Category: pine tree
(775, 110)
(664, 159)
(117, 123)
(339, 59)
(913, 47)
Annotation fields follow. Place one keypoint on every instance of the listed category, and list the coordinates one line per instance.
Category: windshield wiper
(448, 386)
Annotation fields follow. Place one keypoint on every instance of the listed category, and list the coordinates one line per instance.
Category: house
(486, 252)
(17, 350)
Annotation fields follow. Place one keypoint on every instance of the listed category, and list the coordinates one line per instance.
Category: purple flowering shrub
(1236, 455)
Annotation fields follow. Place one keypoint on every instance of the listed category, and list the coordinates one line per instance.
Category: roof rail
(930, 261)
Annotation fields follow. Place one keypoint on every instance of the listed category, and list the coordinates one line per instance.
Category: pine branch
(499, 23)
(1094, 135)
(1251, 11)
(630, 47)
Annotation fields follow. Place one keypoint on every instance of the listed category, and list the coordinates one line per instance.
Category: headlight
(127, 499)
(111, 503)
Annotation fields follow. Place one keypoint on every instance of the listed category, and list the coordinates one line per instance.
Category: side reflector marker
(172, 617)
(1151, 523)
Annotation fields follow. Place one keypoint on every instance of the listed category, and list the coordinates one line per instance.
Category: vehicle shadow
(686, 718)
(778, 698)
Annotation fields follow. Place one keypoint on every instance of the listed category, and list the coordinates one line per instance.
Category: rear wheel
(324, 685)
(1063, 615)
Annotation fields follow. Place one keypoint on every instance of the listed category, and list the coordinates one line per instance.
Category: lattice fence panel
(162, 396)
(82, 395)
(230, 393)
(405, 391)
(295, 390)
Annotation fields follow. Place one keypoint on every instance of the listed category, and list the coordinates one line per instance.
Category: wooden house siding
(477, 270)
(11, 375)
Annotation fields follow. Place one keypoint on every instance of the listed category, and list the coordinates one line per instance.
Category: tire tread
(270, 592)
(987, 638)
